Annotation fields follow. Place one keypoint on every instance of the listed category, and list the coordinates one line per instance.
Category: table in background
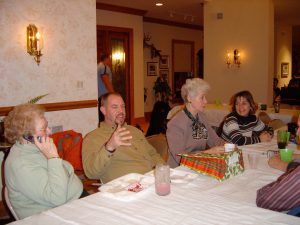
(203, 201)
(216, 113)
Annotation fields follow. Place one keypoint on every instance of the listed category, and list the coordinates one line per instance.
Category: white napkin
(118, 188)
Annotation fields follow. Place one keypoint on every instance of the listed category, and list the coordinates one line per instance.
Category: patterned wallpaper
(68, 29)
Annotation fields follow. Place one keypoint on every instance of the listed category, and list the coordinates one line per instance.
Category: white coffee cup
(229, 147)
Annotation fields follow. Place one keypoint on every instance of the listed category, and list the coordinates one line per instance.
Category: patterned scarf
(199, 130)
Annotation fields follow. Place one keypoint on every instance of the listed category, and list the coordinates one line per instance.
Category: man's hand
(121, 136)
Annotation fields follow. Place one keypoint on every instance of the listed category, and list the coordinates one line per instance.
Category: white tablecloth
(202, 201)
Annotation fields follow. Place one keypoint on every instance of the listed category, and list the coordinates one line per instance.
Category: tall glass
(282, 138)
(162, 179)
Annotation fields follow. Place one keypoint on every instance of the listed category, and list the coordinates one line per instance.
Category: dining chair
(9, 205)
(159, 142)
(277, 124)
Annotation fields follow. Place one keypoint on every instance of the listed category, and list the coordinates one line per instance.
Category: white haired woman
(36, 178)
(188, 130)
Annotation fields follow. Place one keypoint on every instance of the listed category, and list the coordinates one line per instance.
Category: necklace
(199, 130)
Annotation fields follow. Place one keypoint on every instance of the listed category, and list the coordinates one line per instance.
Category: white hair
(192, 87)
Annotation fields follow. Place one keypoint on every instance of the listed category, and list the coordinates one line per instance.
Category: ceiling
(191, 11)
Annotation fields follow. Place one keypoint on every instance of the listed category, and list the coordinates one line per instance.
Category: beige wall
(283, 46)
(69, 55)
(247, 26)
(162, 36)
(109, 18)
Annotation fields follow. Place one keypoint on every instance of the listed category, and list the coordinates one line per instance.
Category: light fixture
(159, 4)
(236, 58)
(228, 59)
(118, 56)
(34, 42)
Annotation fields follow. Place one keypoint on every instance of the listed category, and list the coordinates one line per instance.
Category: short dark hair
(103, 56)
(248, 96)
(105, 97)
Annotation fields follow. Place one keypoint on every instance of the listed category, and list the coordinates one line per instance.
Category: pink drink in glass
(162, 188)
(162, 179)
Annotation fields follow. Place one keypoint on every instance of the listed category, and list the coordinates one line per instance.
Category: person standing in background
(104, 77)
(276, 90)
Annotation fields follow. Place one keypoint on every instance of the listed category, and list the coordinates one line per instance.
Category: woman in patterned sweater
(241, 126)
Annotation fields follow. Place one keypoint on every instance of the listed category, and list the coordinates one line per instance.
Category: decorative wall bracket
(34, 44)
(154, 51)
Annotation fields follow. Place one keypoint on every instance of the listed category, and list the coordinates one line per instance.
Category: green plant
(162, 89)
(37, 98)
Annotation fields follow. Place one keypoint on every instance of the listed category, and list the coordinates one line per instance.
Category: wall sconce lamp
(236, 58)
(34, 43)
(228, 59)
(118, 57)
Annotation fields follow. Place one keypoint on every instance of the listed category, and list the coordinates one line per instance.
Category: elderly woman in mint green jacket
(36, 178)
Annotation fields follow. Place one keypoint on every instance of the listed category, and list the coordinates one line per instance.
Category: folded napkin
(127, 187)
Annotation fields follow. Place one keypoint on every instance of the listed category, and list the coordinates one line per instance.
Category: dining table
(215, 113)
(194, 199)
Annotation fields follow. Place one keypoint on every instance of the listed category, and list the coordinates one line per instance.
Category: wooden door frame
(192, 44)
(129, 31)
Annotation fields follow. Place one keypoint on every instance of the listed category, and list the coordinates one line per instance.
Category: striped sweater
(242, 130)
(283, 194)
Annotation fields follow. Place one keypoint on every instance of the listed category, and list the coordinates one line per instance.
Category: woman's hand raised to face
(215, 150)
(47, 147)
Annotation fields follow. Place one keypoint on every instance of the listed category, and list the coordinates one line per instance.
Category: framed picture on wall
(164, 74)
(164, 62)
(284, 70)
(152, 68)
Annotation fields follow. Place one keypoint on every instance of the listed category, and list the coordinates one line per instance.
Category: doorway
(182, 65)
(117, 42)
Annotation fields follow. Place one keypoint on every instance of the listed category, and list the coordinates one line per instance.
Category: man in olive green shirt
(115, 148)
